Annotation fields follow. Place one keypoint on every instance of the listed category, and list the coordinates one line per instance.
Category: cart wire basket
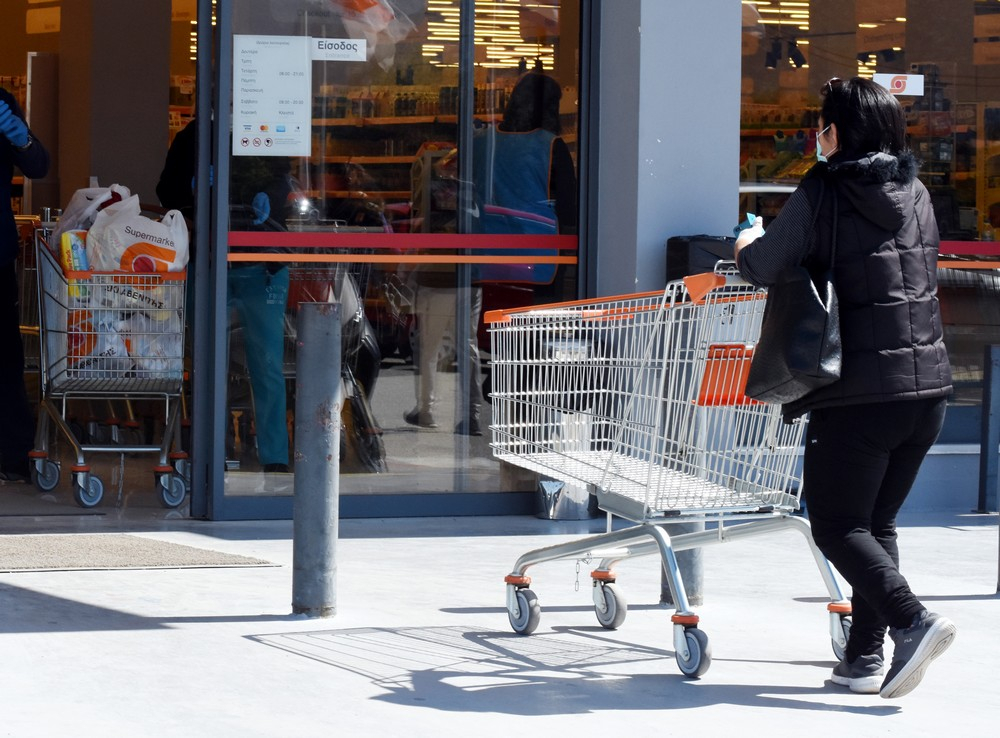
(642, 397)
(115, 337)
(27, 284)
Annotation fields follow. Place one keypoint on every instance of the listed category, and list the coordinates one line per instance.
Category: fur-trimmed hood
(880, 186)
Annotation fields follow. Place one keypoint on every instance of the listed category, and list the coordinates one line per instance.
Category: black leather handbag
(799, 348)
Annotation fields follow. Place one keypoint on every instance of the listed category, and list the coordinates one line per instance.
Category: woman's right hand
(748, 236)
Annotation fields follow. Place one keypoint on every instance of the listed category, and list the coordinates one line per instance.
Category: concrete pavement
(421, 645)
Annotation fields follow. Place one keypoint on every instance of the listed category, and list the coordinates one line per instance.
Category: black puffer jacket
(886, 281)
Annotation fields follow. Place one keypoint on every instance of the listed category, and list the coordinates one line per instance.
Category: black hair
(868, 117)
(533, 103)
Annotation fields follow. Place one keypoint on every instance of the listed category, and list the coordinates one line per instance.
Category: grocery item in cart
(83, 207)
(127, 294)
(156, 345)
(124, 239)
(73, 251)
(95, 347)
(73, 254)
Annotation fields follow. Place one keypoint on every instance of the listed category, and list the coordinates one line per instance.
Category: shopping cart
(27, 284)
(642, 397)
(109, 336)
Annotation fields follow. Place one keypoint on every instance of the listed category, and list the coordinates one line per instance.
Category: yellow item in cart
(73, 256)
(73, 251)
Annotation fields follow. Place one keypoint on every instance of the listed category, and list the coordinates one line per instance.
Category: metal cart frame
(642, 396)
(27, 283)
(84, 357)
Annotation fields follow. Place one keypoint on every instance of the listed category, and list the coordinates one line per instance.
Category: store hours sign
(272, 93)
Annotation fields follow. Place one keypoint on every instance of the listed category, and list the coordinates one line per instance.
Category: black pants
(859, 465)
(17, 422)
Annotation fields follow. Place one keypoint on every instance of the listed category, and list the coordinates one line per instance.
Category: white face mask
(819, 149)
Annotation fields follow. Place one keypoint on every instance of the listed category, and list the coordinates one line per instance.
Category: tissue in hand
(748, 223)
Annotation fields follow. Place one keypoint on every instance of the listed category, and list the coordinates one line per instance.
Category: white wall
(669, 132)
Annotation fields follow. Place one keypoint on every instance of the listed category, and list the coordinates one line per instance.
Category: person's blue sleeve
(261, 208)
(12, 126)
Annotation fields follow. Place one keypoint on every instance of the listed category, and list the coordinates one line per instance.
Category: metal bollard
(690, 564)
(990, 437)
(990, 431)
(318, 401)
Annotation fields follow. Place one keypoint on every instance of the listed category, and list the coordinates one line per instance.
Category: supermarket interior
(427, 165)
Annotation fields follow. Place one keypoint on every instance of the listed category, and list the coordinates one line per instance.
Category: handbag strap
(833, 232)
(815, 217)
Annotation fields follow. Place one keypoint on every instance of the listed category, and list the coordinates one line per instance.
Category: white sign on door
(340, 49)
(272, 96)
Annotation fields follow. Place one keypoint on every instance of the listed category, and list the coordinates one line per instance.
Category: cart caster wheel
(845, 625)
(171, 490)
(97, 433)
(78, 431)
(699, 656)
(92, 495)
(129, 436)
(45, 474)
(615, 607)
(529, 612)
(183, 469)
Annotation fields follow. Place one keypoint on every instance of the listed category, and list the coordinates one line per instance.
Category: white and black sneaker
(915, 647)
(863, 675)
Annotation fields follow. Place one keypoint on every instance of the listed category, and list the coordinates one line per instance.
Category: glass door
(415, 161)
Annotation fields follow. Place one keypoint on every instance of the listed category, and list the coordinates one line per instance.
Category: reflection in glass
(948, 89)
(384, 162)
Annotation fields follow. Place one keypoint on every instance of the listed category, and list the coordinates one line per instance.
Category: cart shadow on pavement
(567, 671)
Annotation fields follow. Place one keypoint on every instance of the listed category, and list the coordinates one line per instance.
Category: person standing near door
(18, 148)
(256, 291)
(525, 184)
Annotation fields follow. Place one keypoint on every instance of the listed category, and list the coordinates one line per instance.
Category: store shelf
(358, 122)
(361, 194)
(485, 117)
(348, 159)
(771, 132)
(360, 153)
(373, 122)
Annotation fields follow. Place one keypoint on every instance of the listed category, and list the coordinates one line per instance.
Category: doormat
(83, 551)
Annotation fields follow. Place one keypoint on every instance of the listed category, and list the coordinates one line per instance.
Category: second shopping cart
(109, 336)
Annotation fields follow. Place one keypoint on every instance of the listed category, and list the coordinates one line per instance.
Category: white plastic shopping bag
(123, 239)
(83, 207)
(155, 344)
(379, 23)
(95, 347)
